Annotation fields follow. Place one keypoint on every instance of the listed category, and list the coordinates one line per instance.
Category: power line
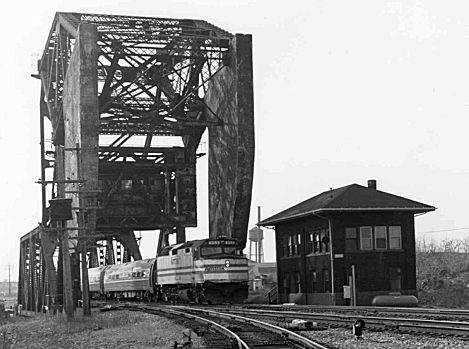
(441, 231)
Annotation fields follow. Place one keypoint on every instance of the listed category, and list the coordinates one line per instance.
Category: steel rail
(225, 331)
(294, 337)
(363, 310)
(417, 310)
(400, 324)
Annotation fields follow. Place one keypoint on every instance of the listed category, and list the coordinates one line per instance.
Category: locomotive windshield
(208, 251)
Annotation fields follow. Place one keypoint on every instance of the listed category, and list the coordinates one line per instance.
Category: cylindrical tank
(395, 301)
(256, 234)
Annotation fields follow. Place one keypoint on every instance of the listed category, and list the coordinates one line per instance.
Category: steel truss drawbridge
(127, 100)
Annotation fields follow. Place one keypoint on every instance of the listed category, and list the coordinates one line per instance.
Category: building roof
(351, 198)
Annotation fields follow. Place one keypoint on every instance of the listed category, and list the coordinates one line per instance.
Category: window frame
(349, 240)
(362, 238)
(317, 241)
(325, 245)
(310, 242)
(391, 238)
(295, 244)
(385, 238)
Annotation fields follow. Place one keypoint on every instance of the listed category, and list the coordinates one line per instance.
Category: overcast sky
(344, 91)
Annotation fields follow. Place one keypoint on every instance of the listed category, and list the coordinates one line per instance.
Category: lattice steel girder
(127, 76)
(126, 243)
(36, 273)
(153, 73)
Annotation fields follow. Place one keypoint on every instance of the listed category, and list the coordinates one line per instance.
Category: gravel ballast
(108, 330)
(126, 329)
(342, 338)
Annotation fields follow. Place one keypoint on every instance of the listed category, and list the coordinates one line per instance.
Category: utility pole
(9, 281)
(260, 248)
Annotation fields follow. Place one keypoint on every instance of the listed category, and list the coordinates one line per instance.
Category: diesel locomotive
(204, 271)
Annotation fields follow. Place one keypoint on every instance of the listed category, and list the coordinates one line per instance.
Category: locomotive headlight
(227, 264)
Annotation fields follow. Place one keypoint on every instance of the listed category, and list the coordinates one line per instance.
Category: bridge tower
(126, 100)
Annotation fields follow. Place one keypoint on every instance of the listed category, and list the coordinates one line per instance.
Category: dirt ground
(104, 330)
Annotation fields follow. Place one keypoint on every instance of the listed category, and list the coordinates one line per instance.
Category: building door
(395, 279)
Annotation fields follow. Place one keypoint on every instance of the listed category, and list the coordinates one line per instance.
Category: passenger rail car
(209, 270)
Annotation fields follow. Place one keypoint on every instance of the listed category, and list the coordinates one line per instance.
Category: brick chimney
(372, 184)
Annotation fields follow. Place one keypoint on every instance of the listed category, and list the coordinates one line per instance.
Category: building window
(290, 245)
(381, 241)
(317, 242)
(298, 250)
(380, 237)
(366, 238)
(395, 237)
(310, 242)
(325, 240)
(295, 244)
(350, 239)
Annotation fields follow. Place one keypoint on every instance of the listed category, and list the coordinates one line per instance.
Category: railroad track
(226, 330)
(397, 324)
(427, 313)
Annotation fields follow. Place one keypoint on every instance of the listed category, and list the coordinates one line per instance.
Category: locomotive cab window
(209, 251)
(229, 250)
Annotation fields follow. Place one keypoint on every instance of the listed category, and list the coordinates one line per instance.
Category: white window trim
(394, 237)
(363, 238)
(385, 237)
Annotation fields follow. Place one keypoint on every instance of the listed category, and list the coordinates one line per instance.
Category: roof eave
(268, 222)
